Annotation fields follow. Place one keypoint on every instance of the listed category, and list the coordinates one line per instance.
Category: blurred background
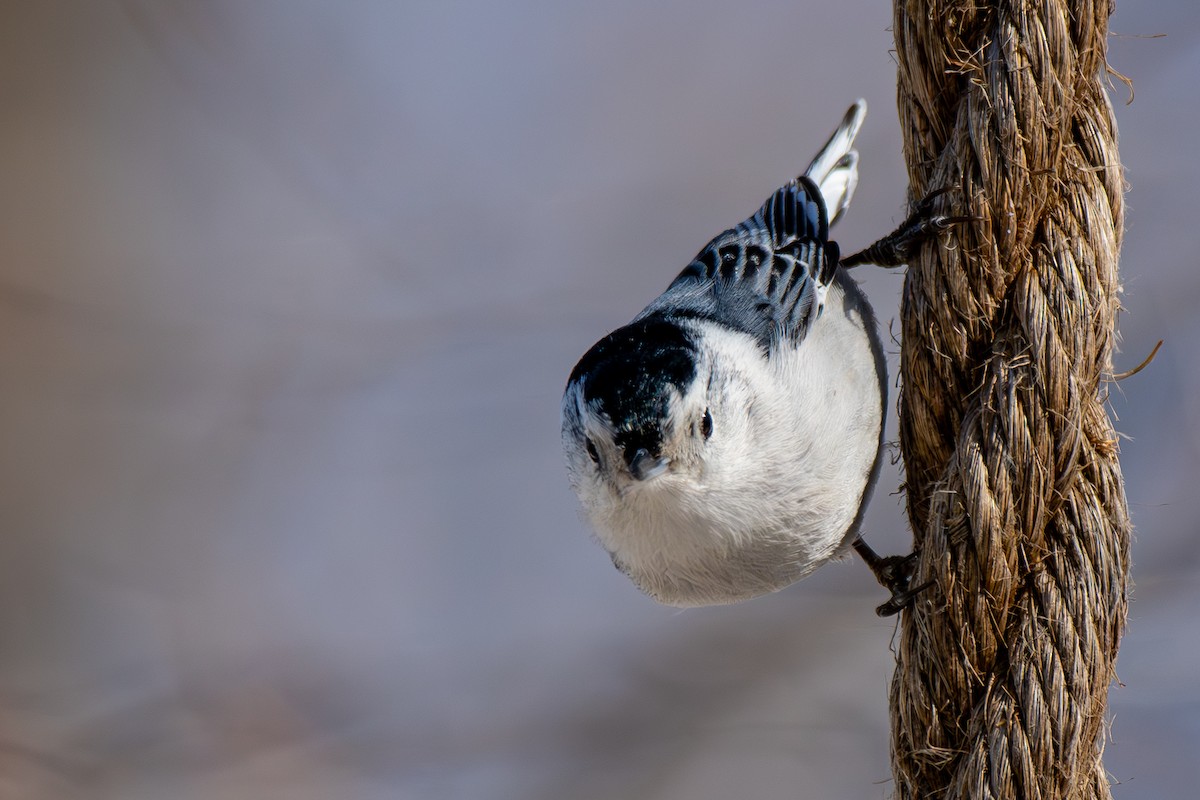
(289, 294)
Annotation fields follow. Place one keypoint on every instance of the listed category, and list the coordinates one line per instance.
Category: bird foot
(898, 247)
(894, 573)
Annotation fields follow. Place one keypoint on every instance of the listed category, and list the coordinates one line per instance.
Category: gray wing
(766, 277)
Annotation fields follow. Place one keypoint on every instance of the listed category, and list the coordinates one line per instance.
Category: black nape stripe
(649, 337)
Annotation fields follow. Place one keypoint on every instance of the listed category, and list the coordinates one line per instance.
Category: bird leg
(894, 573)
(898, 247)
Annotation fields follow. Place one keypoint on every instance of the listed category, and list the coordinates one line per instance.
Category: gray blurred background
(289, 293)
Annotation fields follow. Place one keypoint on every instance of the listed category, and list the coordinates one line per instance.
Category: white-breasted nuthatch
(724, 444)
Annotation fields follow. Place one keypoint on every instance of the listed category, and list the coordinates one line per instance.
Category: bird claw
(894, 573)
(925, 204)
(901, 599)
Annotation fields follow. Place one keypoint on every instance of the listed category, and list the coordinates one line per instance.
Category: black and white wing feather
(767, 277)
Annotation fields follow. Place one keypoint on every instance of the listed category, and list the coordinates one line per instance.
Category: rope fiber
(1014, 489)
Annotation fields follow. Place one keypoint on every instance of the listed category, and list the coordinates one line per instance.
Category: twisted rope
(1014, 490)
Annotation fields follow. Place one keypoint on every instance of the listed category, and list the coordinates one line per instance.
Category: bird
(725, 443)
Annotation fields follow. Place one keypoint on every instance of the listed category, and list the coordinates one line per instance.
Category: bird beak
(644, 466)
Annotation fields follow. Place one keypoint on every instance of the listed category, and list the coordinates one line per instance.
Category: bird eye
(706, 425)
(591, 451)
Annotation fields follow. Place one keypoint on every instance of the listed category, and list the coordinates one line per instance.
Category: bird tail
(835, 169)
